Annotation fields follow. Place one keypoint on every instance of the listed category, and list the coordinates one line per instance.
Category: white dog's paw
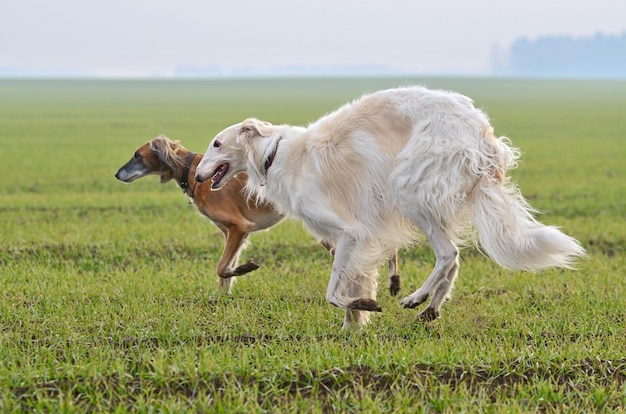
(429, 314)
(414, 300)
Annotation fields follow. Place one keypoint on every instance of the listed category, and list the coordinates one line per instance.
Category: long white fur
(373, 174)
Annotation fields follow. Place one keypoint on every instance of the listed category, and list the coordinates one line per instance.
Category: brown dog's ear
(162, 147)
(252, 128)
(160, 144)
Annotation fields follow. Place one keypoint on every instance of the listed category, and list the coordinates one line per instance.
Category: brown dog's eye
(136, 154)
(217, 144)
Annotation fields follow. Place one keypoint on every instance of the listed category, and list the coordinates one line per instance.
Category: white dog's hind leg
(440, 280)
(442, 293)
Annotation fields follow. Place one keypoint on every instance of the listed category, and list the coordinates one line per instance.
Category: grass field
(109, 299)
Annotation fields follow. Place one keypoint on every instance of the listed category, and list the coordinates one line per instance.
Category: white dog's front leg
(336, 285)
(226, 285)
(352, 283)
(355, 318)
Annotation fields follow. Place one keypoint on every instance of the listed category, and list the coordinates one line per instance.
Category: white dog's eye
(217, 144)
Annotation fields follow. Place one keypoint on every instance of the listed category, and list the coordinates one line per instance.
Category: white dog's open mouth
(219, 173)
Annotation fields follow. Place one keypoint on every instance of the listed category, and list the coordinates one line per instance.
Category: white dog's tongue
(219, 174)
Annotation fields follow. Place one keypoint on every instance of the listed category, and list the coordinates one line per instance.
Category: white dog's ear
(247, 134)
(252, 128)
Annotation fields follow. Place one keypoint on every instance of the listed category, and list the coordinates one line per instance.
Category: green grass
(109, 298)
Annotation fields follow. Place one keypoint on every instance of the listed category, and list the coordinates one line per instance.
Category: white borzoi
(369, 175)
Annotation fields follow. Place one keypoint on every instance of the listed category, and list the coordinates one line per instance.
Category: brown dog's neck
(187, 181)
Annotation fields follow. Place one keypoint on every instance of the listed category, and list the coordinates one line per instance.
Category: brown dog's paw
(365, 305)
(394, 285)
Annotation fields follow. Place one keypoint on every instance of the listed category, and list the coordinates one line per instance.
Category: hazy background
(174, 38)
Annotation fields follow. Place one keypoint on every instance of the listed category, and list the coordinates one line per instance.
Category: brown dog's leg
(329, 246)
(394, 277)
(234, 242)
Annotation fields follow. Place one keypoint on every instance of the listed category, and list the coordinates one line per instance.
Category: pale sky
(134, 38)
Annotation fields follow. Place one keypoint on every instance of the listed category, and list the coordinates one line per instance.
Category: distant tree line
(599, 56)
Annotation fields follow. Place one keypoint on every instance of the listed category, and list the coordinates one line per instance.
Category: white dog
(373, 173)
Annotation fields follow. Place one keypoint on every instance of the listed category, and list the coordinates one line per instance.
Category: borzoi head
(159, 156)
(232, 151)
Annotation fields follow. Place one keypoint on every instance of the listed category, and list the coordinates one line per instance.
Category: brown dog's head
(159, 156)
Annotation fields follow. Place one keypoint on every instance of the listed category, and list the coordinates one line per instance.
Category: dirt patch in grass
(609, 248)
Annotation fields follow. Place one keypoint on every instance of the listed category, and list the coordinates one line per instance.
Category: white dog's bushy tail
(509, 233)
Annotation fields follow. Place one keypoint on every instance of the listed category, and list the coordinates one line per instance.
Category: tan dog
(229, 209)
